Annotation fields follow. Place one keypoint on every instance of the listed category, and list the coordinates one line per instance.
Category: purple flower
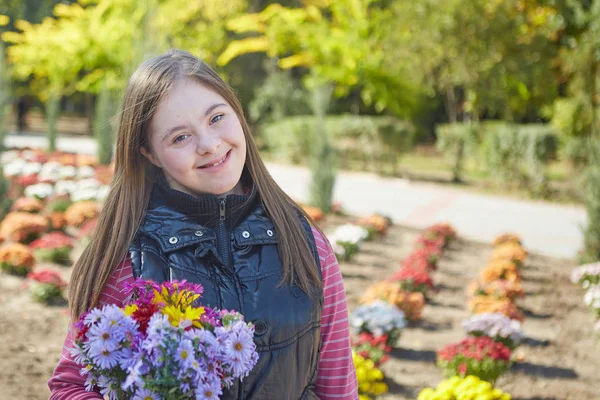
(208, 391)
(185, 353)
(145, 394)
(104, 357)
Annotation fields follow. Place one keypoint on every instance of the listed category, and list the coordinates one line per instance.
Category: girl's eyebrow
(179, 127)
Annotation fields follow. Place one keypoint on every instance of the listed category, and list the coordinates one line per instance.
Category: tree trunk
(323, 156)
(52, 113)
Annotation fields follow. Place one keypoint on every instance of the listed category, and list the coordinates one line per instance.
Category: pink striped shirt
(336, 378)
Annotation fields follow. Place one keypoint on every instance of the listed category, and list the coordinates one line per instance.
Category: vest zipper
(223, 243)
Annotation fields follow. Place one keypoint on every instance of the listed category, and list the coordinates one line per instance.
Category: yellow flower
(379, 388)
(426, 394)
(191, 314)
(130, 309)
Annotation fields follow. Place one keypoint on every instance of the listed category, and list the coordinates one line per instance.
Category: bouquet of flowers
(496, 326)
(53, 247)
(470, 387)
(163, 345)
(414, 280)
(369, 377)
(500, 288)
(78, 213)
(22, 227)
(410, 303)
(46, 286)
(28, 205)
(489, 304)
(16, 259)
(510, 251)
(379, 318)
(586, 275)
(374, 348)
(501, 269)
(480, 356)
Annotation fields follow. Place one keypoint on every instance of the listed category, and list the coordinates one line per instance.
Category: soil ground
(560, 358)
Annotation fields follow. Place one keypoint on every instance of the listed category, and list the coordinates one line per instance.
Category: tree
(98, 40)
(5, 202)
(316, 38)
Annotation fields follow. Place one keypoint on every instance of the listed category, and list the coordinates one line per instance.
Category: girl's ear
(149, 156)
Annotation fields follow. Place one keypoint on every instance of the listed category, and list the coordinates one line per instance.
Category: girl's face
(197, 140)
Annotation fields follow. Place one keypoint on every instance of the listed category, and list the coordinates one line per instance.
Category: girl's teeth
(218, 162)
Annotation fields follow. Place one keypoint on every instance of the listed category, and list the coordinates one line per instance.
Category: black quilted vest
(230, 247)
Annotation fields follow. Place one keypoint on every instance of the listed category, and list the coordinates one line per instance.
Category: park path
(546, 228)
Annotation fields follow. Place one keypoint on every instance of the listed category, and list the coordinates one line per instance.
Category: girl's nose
(207, 144)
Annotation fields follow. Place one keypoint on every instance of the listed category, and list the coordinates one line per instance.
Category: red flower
(47, 276)
(462, 369)
(478, 348)
(414, 277)
(52, 240)
(143, 314)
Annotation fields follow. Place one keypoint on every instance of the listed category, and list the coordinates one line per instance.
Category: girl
(191, 199)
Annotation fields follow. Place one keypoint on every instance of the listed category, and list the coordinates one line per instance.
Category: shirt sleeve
(66, 382)
(336, 375)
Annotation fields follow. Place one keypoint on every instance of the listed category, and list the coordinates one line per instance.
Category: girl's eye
(180, 138)
(216, 118)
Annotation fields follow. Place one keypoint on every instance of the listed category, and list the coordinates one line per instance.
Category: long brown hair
(127, 201)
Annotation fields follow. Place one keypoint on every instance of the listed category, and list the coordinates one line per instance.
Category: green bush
(578, 151)
(518, 154)
(372, 140)
(458, 142)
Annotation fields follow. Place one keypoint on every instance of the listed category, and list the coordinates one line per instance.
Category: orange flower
(507, 238)
(501, 269)
(500, 288)
(57, 221)
(489, 304)
(86, 160)
(21, 226)
(510, 251)
(16, 258)
(29, 205)
(377, 222)
(104, 173)
(411, 303)
(315, 213)
(78, 213)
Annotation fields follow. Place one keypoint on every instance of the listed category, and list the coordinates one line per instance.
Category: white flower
(40, 190)
(14, 168)
(49, 172)
(65, 187)
(28, 155)
(86, 171)
(349, 233)
(102, 192)
(31, 168)
(84, 194)
(67, 171)
(88, 183)
(9, 156)
(592, 296)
